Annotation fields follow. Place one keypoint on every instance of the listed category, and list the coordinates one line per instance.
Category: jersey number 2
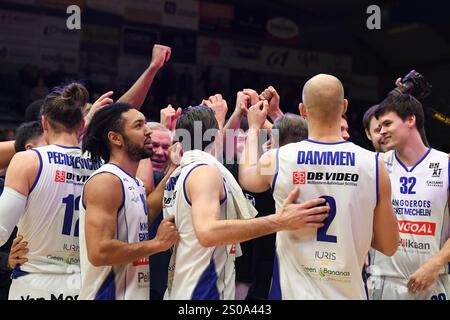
(322, 232)
(68, 214)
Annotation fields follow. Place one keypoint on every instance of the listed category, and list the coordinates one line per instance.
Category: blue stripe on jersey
(17, 273)
(206, 288)
(226, 195)
(134, 178)
(418, 162)
(376, 174)
(108, 289)
(67, 147)
(123, 197)
(275, 288)
(39, 172)
(327, 143)
(184, 182)
(364, 277)
(276, 171)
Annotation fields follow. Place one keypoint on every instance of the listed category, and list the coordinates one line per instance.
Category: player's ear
(345, 106)
(44, 123)
(115, 138)
(368, 134)
(411, 121)
(302, 109)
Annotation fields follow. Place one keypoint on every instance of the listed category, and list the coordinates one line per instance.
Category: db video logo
(299, 177)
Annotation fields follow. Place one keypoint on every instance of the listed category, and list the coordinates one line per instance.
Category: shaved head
(323, 97)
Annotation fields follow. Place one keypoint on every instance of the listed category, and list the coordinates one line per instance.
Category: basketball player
(372, 129)
(324, 263)
(29, 135)
(41, 196)
(420, 183)
(114, 245)
(344, 127)
(212, 214)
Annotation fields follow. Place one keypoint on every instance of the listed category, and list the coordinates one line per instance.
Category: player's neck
(63, 139)
(412, 151)
(127, 164)
(322, 132)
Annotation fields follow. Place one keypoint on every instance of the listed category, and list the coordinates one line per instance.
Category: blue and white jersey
(420, 200)
(50, 221)
(125, 282)
(326, 263)
(196, 272)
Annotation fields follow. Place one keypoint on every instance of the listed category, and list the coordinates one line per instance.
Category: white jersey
(50, 221)
(196, 272)
(326, 263)
(420, 201)
(125, 282)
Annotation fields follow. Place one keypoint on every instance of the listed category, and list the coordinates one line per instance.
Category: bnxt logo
(60, 176)
(299, 177)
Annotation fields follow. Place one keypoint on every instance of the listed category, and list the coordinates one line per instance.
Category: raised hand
(253, 95)
(271, 95)
(220, 107)
(257, 114)
(242, 103)
(160, 55)
(104, 100)
(169, 117)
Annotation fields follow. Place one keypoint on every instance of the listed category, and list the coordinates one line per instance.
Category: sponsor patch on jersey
(407, 244)
(60, 176)
(141, 262)
(435, 183)
(330, 178)
(299, 177)
(436, 171)
(417, 227)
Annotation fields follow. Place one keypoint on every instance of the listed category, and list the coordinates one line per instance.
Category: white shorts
(390, 288)
(45, 287)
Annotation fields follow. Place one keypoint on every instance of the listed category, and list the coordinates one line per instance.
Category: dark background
(222, 47)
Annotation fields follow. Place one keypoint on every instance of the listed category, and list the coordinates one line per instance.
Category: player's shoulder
(439, 155)
(202, 175)
(103, 182)
(27, 157)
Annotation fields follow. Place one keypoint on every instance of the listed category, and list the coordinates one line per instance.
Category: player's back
(50, 221)
(196, 272)
(325, 263)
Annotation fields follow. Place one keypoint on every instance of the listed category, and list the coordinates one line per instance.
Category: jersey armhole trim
(376, 176)
(276, 172)
(39, 171)
(448, 189)
(184, 183)
(222, 201)
(121, 183)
